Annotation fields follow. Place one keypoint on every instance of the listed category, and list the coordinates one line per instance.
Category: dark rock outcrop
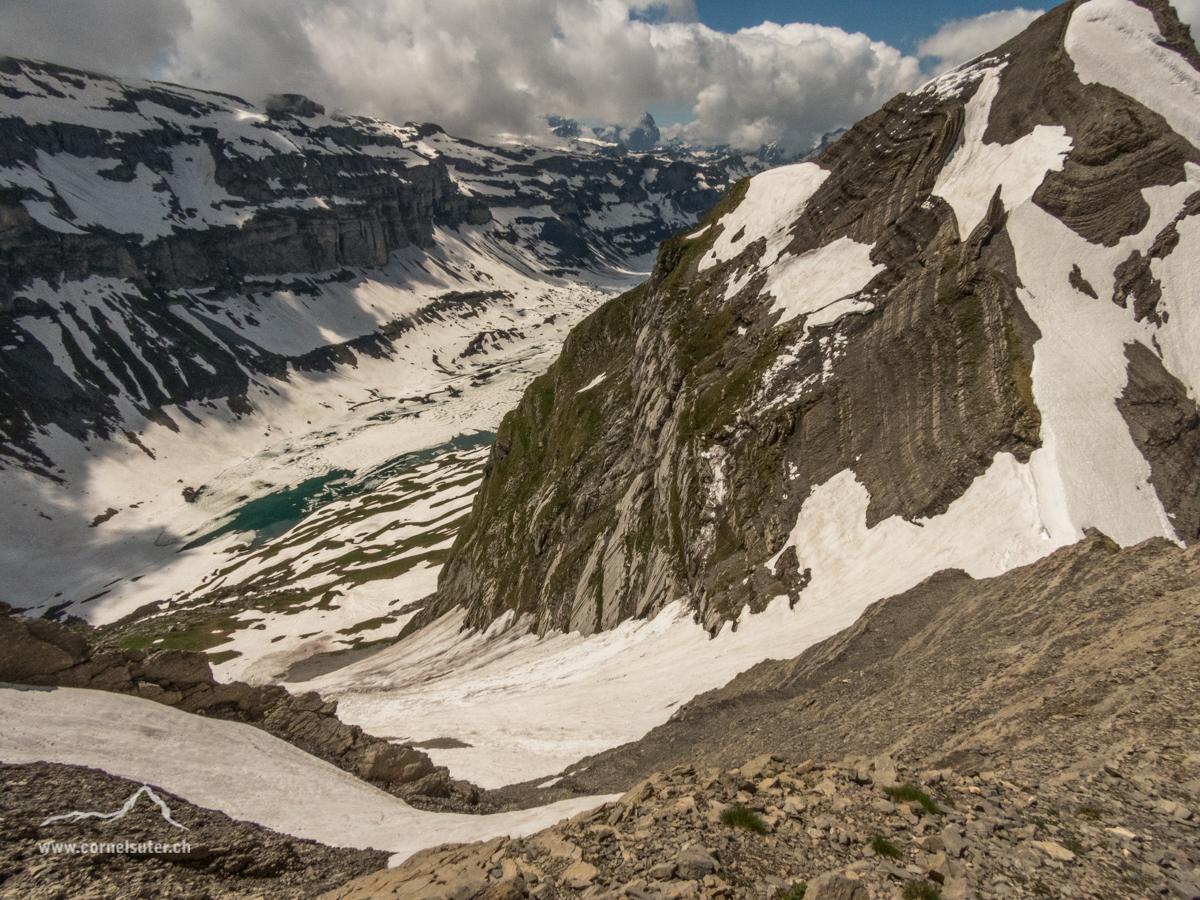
(1165, 425)
(40, 652)
(599, 505)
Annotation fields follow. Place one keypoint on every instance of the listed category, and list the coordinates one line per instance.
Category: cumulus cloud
(479, 69)
(961, 40)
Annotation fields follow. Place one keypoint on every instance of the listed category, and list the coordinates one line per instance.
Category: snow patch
(531, 706)
(971, 177)
(591, 384)
(818, 282)
(272, 783)
(1117, 42)
(953, 83)
(773, 202)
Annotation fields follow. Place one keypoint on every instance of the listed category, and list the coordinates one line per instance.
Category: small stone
(931, 843)
(885, 774)
(826, 787)
(1055, 851)
(759, 767)
(662, 871)
(953, 842)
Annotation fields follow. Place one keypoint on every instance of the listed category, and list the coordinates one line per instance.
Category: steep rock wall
(879, 326)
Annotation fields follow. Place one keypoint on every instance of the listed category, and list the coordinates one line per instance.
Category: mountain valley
(855, 499)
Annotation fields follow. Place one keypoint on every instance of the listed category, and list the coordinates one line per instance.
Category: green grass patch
(1089, 812)
(921, 890)
(908, 793)
(215, 659)
(796, 891)
(743, 817)
(884, 847)
(1074, 846)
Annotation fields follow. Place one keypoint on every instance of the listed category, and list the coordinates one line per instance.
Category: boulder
(885, 774)
(760, 767)
(436, 784)
(953, 841)
(695, 862)
(35, 648)
(177, 668)
(662, 871)
(835, 886)
(391, 764)
(580, 873)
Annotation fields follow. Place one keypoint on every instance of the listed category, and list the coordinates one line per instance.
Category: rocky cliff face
(961, 335)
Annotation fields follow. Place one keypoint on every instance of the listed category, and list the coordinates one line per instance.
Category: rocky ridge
(1080, 656)
(39, 652)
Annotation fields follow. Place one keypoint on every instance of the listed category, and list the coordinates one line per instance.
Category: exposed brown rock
(1164, 423)
(34, 647)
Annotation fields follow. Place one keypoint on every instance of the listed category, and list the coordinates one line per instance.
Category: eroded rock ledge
(40, 652)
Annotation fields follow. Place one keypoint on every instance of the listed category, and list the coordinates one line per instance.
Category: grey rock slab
(836, 886)
(695, 862)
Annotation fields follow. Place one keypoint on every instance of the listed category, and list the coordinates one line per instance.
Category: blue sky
(900, 24)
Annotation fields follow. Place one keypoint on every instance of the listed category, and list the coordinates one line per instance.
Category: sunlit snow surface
(969, 180)
(264, 780)
(530, 706)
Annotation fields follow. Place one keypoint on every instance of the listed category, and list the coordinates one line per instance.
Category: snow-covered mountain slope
(271, 784)
(963, 334)
(215, 318)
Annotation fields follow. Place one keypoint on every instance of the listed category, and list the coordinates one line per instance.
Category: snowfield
(260, 778)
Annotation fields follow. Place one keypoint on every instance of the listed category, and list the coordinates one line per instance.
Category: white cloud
(483, 68)
(963, 39)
